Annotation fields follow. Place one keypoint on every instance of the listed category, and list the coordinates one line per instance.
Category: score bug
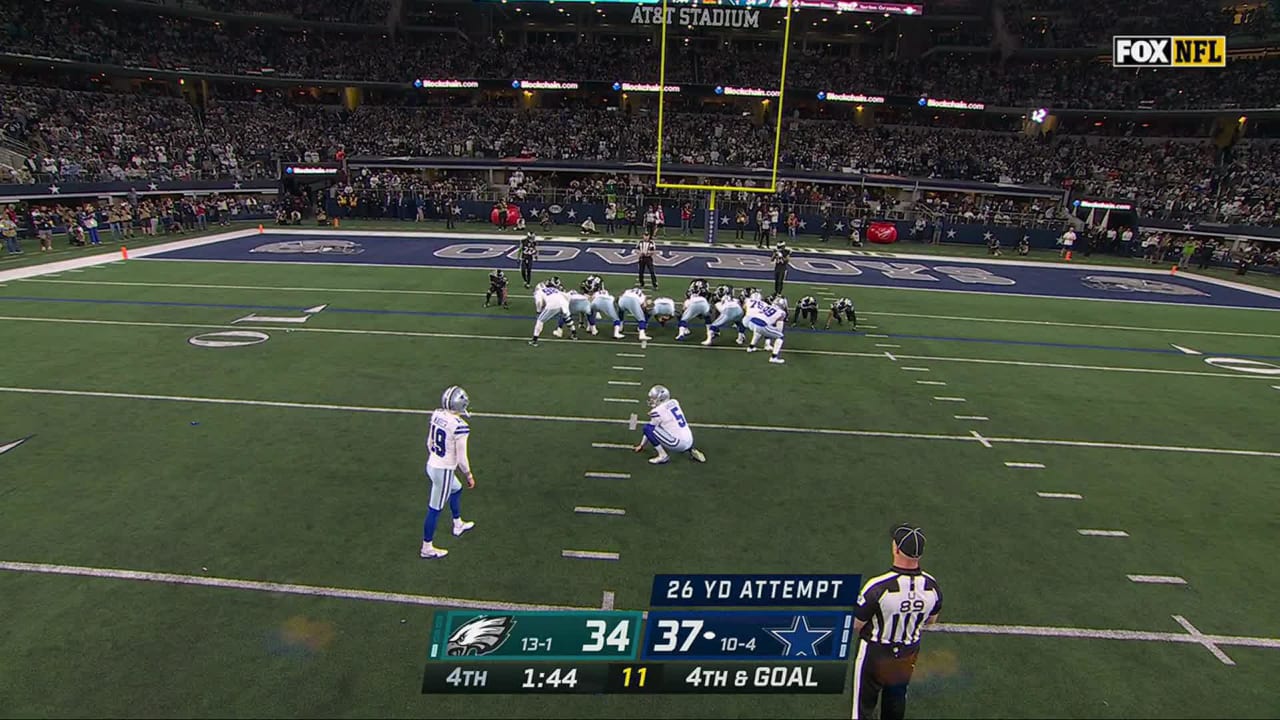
(571, 635)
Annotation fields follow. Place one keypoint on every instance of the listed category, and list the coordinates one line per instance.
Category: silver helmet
(455, 399)
(658, 394)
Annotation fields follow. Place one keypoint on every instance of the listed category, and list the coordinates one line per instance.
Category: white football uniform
(579, 303)
(694, 306)
(602, 302)
(670, 428)
(632, 301)
(550, 303)
(447, 436)
(765, 319)
(664, 307)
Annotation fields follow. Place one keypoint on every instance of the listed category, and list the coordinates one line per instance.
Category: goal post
(777, 131)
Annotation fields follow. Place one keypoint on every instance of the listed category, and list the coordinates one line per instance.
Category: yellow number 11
(640, 676)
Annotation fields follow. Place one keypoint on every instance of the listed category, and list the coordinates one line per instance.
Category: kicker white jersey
(772, 316)
(447, 442)
(669, 422)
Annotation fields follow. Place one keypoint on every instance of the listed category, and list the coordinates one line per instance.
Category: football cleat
(533, 342)
(777, 360)
(617, 334)
(751, 348)
(768, 345)
(697, 455)
(594, 331)
(660, 460)
(707, 342)
(741, 338)
(431, 552)
(558, 332)
(461, 526)
(644, 335)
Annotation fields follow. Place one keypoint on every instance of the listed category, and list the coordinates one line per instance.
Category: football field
(218, 503)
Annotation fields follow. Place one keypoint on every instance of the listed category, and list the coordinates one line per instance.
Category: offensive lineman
(663, 309)
(633, 301)
(695, 305)
(579, 306)
(447, 436)
(841, 310)
(767, 319)
(603, 304)
(552, 304)
(729, 310)
(667, 429)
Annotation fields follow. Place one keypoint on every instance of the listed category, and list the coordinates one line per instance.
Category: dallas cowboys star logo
(839, 226)
(987, 236)
(724, 220)
(152, 186)
(1186, 226)
(573, 214)
(235, 185)
(802, 224)
(54, 189)
(799, 640)
(951, 233)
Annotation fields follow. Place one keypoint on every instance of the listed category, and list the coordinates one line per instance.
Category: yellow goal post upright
(712, 213)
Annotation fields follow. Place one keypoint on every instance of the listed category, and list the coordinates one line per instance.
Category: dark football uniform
(497, 287)
(807, 309)
(528, 251)
(842, 310)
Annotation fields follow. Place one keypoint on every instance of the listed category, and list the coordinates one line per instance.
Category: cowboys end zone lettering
(738, 265)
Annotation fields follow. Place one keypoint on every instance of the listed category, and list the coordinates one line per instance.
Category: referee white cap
(909, 540)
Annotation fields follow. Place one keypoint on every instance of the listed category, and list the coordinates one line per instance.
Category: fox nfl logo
(1173, 51)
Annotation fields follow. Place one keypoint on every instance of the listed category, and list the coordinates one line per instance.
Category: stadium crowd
(89, 136)
(102, 34)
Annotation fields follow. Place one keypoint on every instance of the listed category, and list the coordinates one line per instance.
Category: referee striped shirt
(896, 605)
(646, 248)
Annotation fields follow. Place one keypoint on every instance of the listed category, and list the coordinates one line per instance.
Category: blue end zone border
(486, 252)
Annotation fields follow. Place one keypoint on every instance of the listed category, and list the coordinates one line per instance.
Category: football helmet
(658, 394)
(779, 301)
(455, 399)
(555, 282)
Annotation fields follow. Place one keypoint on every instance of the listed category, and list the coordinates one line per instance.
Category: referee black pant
(526, 270)
(882, 671)
(779, 277)
(646, 263)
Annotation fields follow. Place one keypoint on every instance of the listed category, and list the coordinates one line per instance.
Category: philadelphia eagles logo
(311, 247)
(480, 635)
(1119, 283)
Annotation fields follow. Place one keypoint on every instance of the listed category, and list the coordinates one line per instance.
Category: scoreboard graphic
(804, 649)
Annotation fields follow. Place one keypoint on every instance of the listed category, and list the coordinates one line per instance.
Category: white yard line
(605, 475)
(628, 401)
(590, 510)
(890, 356)
(1029, 465)
(915, 369)
(1102, 533)
(696, 347)
(471, 604)
(625, 383)
(876, 335)
(947, 398)
(1060, 496)
(1206, 642)
(985, 442)
(979, 418)
(628, 368)
(630, 355)
(589, 555)
(1158, 579)
(633, 421)
(611, 446)
(930, 382)
(607, 600)
(887, 345)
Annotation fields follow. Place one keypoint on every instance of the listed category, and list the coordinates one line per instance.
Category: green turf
(333, 497)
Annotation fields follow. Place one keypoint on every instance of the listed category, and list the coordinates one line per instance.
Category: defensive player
(662, 310)
(528, 252)
(551, 304)
(767, 319)
(807, 309)
(633, 301)
(498, 287)
(728, 310)
(841, 310)
(667, 430)
(602, 304)
(695, 305)
(447, 435)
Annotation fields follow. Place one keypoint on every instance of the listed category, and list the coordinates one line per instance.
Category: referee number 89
(911, 606)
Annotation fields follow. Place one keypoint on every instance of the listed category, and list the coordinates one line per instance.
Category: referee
(781, 261)
(528, 251)
(645, 249)
(892, 610)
